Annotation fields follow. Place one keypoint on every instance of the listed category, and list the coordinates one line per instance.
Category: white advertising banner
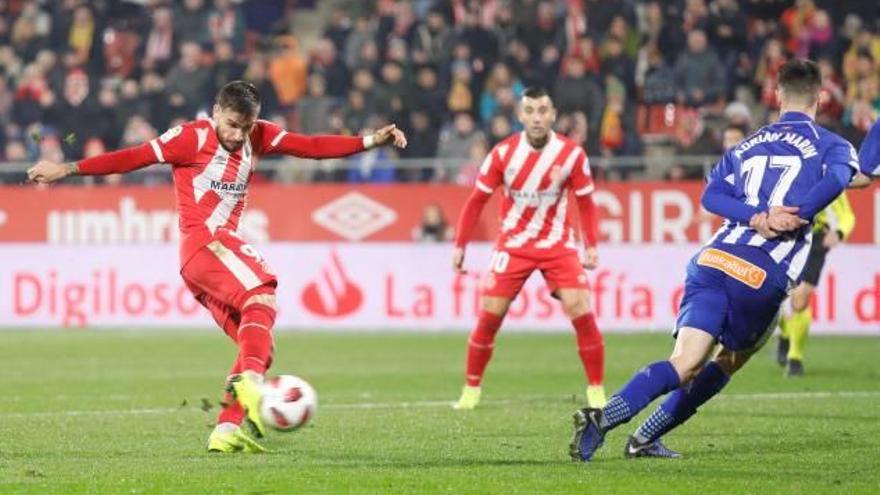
(376, 286)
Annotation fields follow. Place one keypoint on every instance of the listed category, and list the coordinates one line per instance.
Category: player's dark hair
(800, 78)
(535, 92)
(239, 96)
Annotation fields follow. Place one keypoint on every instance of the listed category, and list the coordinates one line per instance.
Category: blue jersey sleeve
(869, 152)
(840, 167)
(720, 194)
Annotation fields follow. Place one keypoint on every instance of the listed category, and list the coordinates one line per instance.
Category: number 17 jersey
(778, 166)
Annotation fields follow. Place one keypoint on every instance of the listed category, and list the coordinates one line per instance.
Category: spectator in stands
(111, 120)
(360, 35)
(226, 23)
(575, 91)
(500, 128)
(461, 92)
(257, 74)
(618, 64)
(325, 62)
(188, 82)
(154, 95)
(15, 151)
(422, 137)
(456, 139)
(432, 40)
(338, 28)
(656, 78)
(355, 113)
(288, 71)
(226, 66)
(500, 78)
(363, 81)
(696, 139)
(393, 90)
(482, 43)
(831, 97)
(698, 73)
(120, 49)
(544, 30)
(160, 43)
(77, 106)
(428, 96)
(190, 21)
(316, 108)
(434, 227)
(732, 135)
(767, 71)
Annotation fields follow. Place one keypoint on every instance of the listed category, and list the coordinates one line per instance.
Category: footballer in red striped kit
(536, 169)
(212, 161)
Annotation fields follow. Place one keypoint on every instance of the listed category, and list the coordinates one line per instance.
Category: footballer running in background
(769, 188)
(212, 162)
(537, 168)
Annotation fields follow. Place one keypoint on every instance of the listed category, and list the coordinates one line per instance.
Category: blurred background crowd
(641, 84)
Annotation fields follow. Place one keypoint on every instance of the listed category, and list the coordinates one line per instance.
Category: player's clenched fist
(458, 260)
(45, 171)
(390, 133)
(591, 258)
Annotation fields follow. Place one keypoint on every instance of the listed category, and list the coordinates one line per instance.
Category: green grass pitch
(121, 412)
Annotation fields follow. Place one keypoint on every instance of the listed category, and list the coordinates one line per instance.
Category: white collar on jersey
(550, 137)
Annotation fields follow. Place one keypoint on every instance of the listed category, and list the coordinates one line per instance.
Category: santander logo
(333, 294)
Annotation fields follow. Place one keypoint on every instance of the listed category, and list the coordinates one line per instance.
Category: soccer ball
(288, 402)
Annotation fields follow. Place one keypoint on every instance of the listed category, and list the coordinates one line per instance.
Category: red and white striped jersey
(534, 208)
(211, 183)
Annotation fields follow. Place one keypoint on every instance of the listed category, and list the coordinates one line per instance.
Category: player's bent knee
(261, 295)
(800, 298)
(731, 361)
(496, 305)
(686, 367)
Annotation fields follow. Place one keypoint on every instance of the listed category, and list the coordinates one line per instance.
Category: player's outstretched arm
(280, 142)
(467, 221)
(114, 162)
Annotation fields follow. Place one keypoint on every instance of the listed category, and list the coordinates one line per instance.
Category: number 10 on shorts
(500, 260)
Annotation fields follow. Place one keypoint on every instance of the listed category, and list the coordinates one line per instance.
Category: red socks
(255, 337)
(232, 412)
(591, 347)
(480, 346)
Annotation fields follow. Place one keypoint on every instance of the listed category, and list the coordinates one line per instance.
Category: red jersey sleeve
(176, 146)
(580, 179)
(491, 173)
(270, 139)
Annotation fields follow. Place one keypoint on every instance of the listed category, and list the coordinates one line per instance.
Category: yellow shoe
(229, 438)
(247, 389)
(470, 397)
(596, 396)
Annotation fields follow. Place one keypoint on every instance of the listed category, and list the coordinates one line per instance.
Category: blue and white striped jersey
(777, 166)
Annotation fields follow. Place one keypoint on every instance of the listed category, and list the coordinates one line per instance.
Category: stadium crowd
(629, 77)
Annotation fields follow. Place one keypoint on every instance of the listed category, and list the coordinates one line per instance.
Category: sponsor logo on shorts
(733, 266)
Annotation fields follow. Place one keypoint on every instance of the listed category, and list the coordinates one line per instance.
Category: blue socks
(650, 382)
(683, 403)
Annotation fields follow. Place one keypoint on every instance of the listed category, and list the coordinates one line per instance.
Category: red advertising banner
(655, 212)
